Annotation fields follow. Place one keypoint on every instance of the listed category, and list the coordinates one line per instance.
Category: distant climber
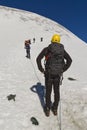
(33, 40)
(27, 47)
(41, 39)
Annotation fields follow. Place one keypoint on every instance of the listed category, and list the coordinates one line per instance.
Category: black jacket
(43, 53)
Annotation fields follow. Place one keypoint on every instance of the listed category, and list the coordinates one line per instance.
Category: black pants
(52, 81)
(28, 53)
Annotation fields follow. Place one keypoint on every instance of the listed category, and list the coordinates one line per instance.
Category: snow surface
(19, 75)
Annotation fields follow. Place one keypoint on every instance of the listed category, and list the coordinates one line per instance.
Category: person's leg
(28, 53)
(48, 85)
(56, 94)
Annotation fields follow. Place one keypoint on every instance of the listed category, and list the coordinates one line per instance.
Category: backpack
(55, 59)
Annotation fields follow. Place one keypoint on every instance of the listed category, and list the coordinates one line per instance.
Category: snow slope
(19, 75)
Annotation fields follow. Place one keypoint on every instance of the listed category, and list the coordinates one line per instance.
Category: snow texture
(20, 76)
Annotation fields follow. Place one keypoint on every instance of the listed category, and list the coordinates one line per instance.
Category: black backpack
(55, 59)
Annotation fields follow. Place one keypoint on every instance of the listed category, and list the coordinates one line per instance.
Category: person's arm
(39, 58)
(68, 61)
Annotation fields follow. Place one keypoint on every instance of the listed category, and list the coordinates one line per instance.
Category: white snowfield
(19, 75)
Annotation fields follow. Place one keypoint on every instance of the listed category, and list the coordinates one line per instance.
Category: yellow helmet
(55, 38)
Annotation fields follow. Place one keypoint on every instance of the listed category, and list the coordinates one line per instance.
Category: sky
(20, 75)
(72, 14)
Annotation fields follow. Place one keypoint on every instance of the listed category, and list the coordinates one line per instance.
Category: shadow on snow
(40, 90)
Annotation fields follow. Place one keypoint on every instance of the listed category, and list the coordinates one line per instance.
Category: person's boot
(29, 56)
(47, 111)
(54, 110)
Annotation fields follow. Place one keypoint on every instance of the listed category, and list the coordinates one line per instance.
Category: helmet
(55, 38)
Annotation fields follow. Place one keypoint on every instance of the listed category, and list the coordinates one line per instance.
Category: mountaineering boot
(28, 56)
(54, 110)
(47, 111)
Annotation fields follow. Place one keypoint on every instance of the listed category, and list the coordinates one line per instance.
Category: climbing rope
(59, 115)
(35, 71)
(60, 125)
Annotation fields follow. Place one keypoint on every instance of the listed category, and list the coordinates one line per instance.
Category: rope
(35, 71)
(60, 104)
(60, 114)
